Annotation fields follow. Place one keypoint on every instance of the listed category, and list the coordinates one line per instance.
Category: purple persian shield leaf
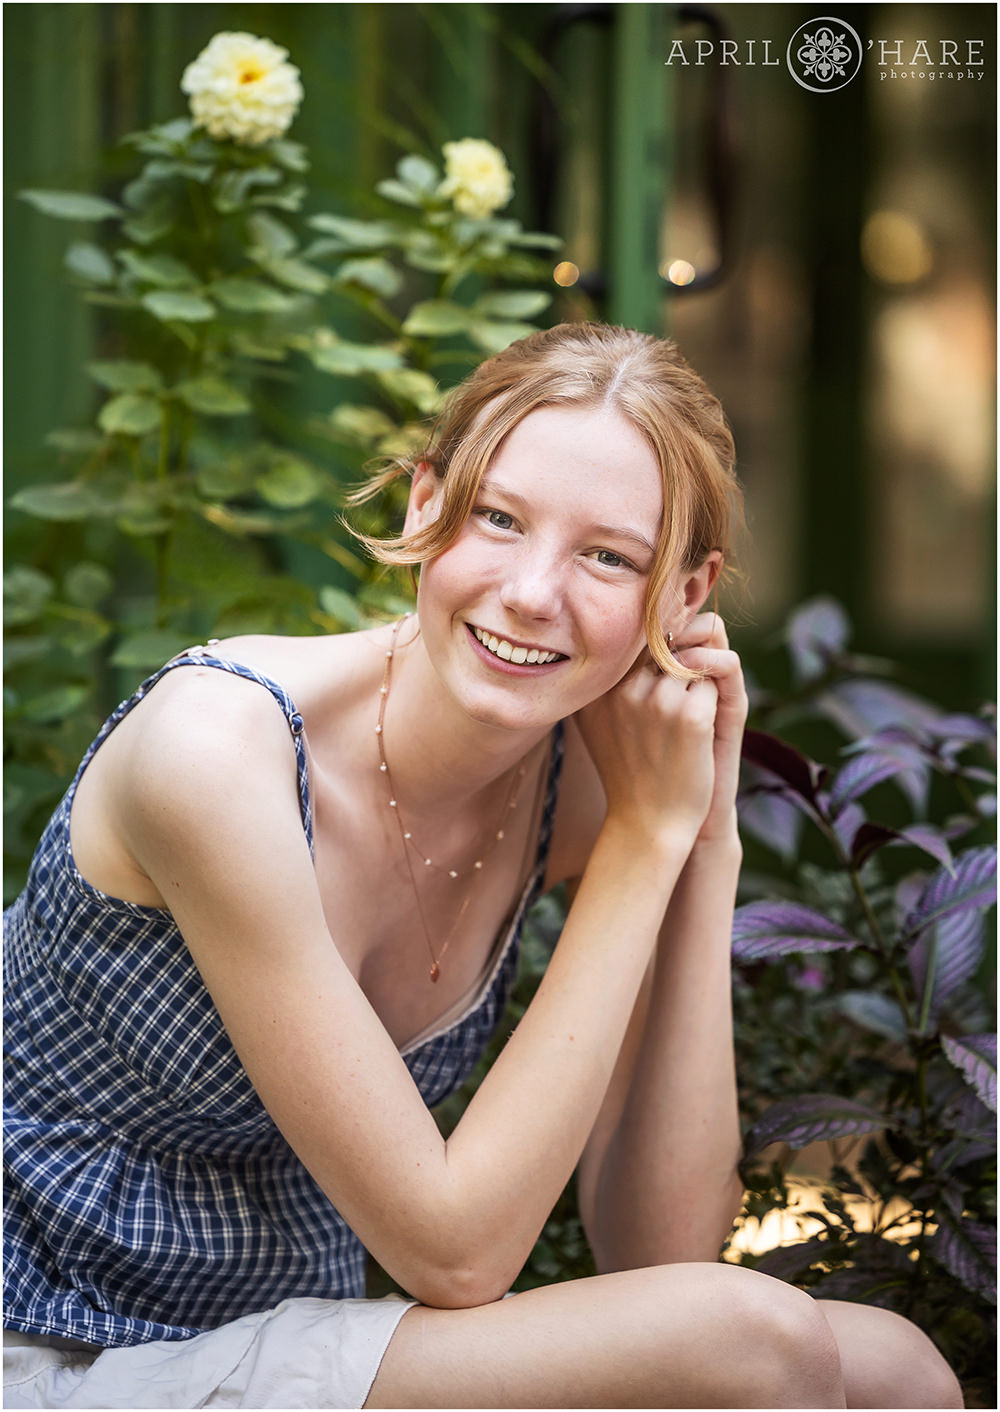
(930, 840)
(787, 1261)
(871, 837)
(878, 1014)
(964, 730)
(763, 931)
(800, 773)
(816, 631)
(975, 1055)
(813, 1118)
(863, 707)
(968, 1250)
(864, 772)
(848, 824)
(951, 951)
(971, 882)
(769, 816)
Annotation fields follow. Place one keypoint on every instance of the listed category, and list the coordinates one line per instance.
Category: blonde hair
(586, 365)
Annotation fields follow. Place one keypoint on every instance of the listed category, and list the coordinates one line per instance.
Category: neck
(439, 756)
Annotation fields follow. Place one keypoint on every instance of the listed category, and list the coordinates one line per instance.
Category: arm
(659, 1180)
(213, 817)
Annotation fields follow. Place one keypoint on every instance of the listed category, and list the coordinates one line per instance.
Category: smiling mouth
(509, 652)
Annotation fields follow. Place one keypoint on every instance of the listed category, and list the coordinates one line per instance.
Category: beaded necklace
(409, 844)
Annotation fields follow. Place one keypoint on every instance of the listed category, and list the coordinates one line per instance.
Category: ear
(424, 503)
(695, 586)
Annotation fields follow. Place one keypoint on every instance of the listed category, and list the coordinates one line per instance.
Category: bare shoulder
(579, 812)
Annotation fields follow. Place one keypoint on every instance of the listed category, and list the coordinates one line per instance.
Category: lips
(517, 653)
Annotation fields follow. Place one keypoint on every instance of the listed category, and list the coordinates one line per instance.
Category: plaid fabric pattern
(149, 1195)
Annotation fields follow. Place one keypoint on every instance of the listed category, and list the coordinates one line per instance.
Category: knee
(797, 1350)
(773, 1346)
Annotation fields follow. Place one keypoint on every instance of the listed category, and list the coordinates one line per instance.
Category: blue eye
(610, 560)
(499, 519)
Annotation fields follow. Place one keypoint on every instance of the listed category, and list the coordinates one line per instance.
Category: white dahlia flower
(476, 178)
(240, 87)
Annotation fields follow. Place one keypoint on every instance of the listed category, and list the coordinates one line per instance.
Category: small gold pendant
(435, 972)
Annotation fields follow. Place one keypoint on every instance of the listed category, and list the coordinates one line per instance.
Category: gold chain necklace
(406, 838)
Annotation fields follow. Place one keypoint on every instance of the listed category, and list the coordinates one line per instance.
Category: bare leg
(692, 1335)
(887, 1361)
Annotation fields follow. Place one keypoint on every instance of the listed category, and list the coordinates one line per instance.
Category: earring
(670, 642)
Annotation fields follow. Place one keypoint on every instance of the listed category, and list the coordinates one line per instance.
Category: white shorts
(307, 1353)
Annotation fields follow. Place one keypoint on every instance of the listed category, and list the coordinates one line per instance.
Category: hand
(704, 646)
(652, 739)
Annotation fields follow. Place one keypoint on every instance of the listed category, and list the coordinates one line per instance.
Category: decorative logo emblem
(824, 54)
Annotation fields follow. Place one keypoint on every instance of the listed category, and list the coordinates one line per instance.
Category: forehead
(593, 457)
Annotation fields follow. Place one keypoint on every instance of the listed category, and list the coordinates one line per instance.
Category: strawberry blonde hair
(587, 365)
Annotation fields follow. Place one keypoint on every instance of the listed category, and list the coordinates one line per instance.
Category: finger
(704, 630)
(721, 664)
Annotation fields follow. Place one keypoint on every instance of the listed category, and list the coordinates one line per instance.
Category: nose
(532, 587)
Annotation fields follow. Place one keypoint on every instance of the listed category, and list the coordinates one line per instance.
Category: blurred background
(825, 259)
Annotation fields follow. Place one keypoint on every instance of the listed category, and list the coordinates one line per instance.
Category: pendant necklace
(411, 848)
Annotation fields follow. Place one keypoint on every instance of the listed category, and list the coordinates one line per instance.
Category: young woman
(270, 924)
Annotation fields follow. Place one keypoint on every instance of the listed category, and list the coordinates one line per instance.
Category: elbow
(459, 1285)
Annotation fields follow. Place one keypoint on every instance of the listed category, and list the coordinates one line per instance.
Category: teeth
(509, 653)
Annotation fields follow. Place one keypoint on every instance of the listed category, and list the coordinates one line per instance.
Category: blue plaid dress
(148, 1194)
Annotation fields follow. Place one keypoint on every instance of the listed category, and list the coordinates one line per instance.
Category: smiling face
(537, 607)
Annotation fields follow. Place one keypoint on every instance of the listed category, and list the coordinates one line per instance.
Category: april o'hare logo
(824, 54)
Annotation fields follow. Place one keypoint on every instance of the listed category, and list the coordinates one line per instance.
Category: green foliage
(222, 438)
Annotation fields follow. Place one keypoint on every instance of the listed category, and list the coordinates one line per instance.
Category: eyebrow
(614, 531)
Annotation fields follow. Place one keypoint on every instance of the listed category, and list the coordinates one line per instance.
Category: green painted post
(640, 166)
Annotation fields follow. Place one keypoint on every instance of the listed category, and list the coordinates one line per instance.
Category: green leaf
(25, 593)
(297, 274)
(495, 337)
(364, 235)
(149, 648)
(125, 375)
(289, 485)
(240, 522)
(130, 414)
(536, 239)
(351, 358)
(412, 385)
(17, 650)
(150, 225)
(234, 187)
(71, 205)
(513, 303)
(186, 308)
(89, 262)
(250, 296)
(270, 236)
(212, 396)
(79, 441)
(436, 318)
(394, 190)
(406, 441)
(288, 199)
(374, 274)
(340, 605)
(224, 480)
(162, 270)
(87, 584)
(418, 174)
(291, 155)
(56, 704)
(71, 500)
(362, 423)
